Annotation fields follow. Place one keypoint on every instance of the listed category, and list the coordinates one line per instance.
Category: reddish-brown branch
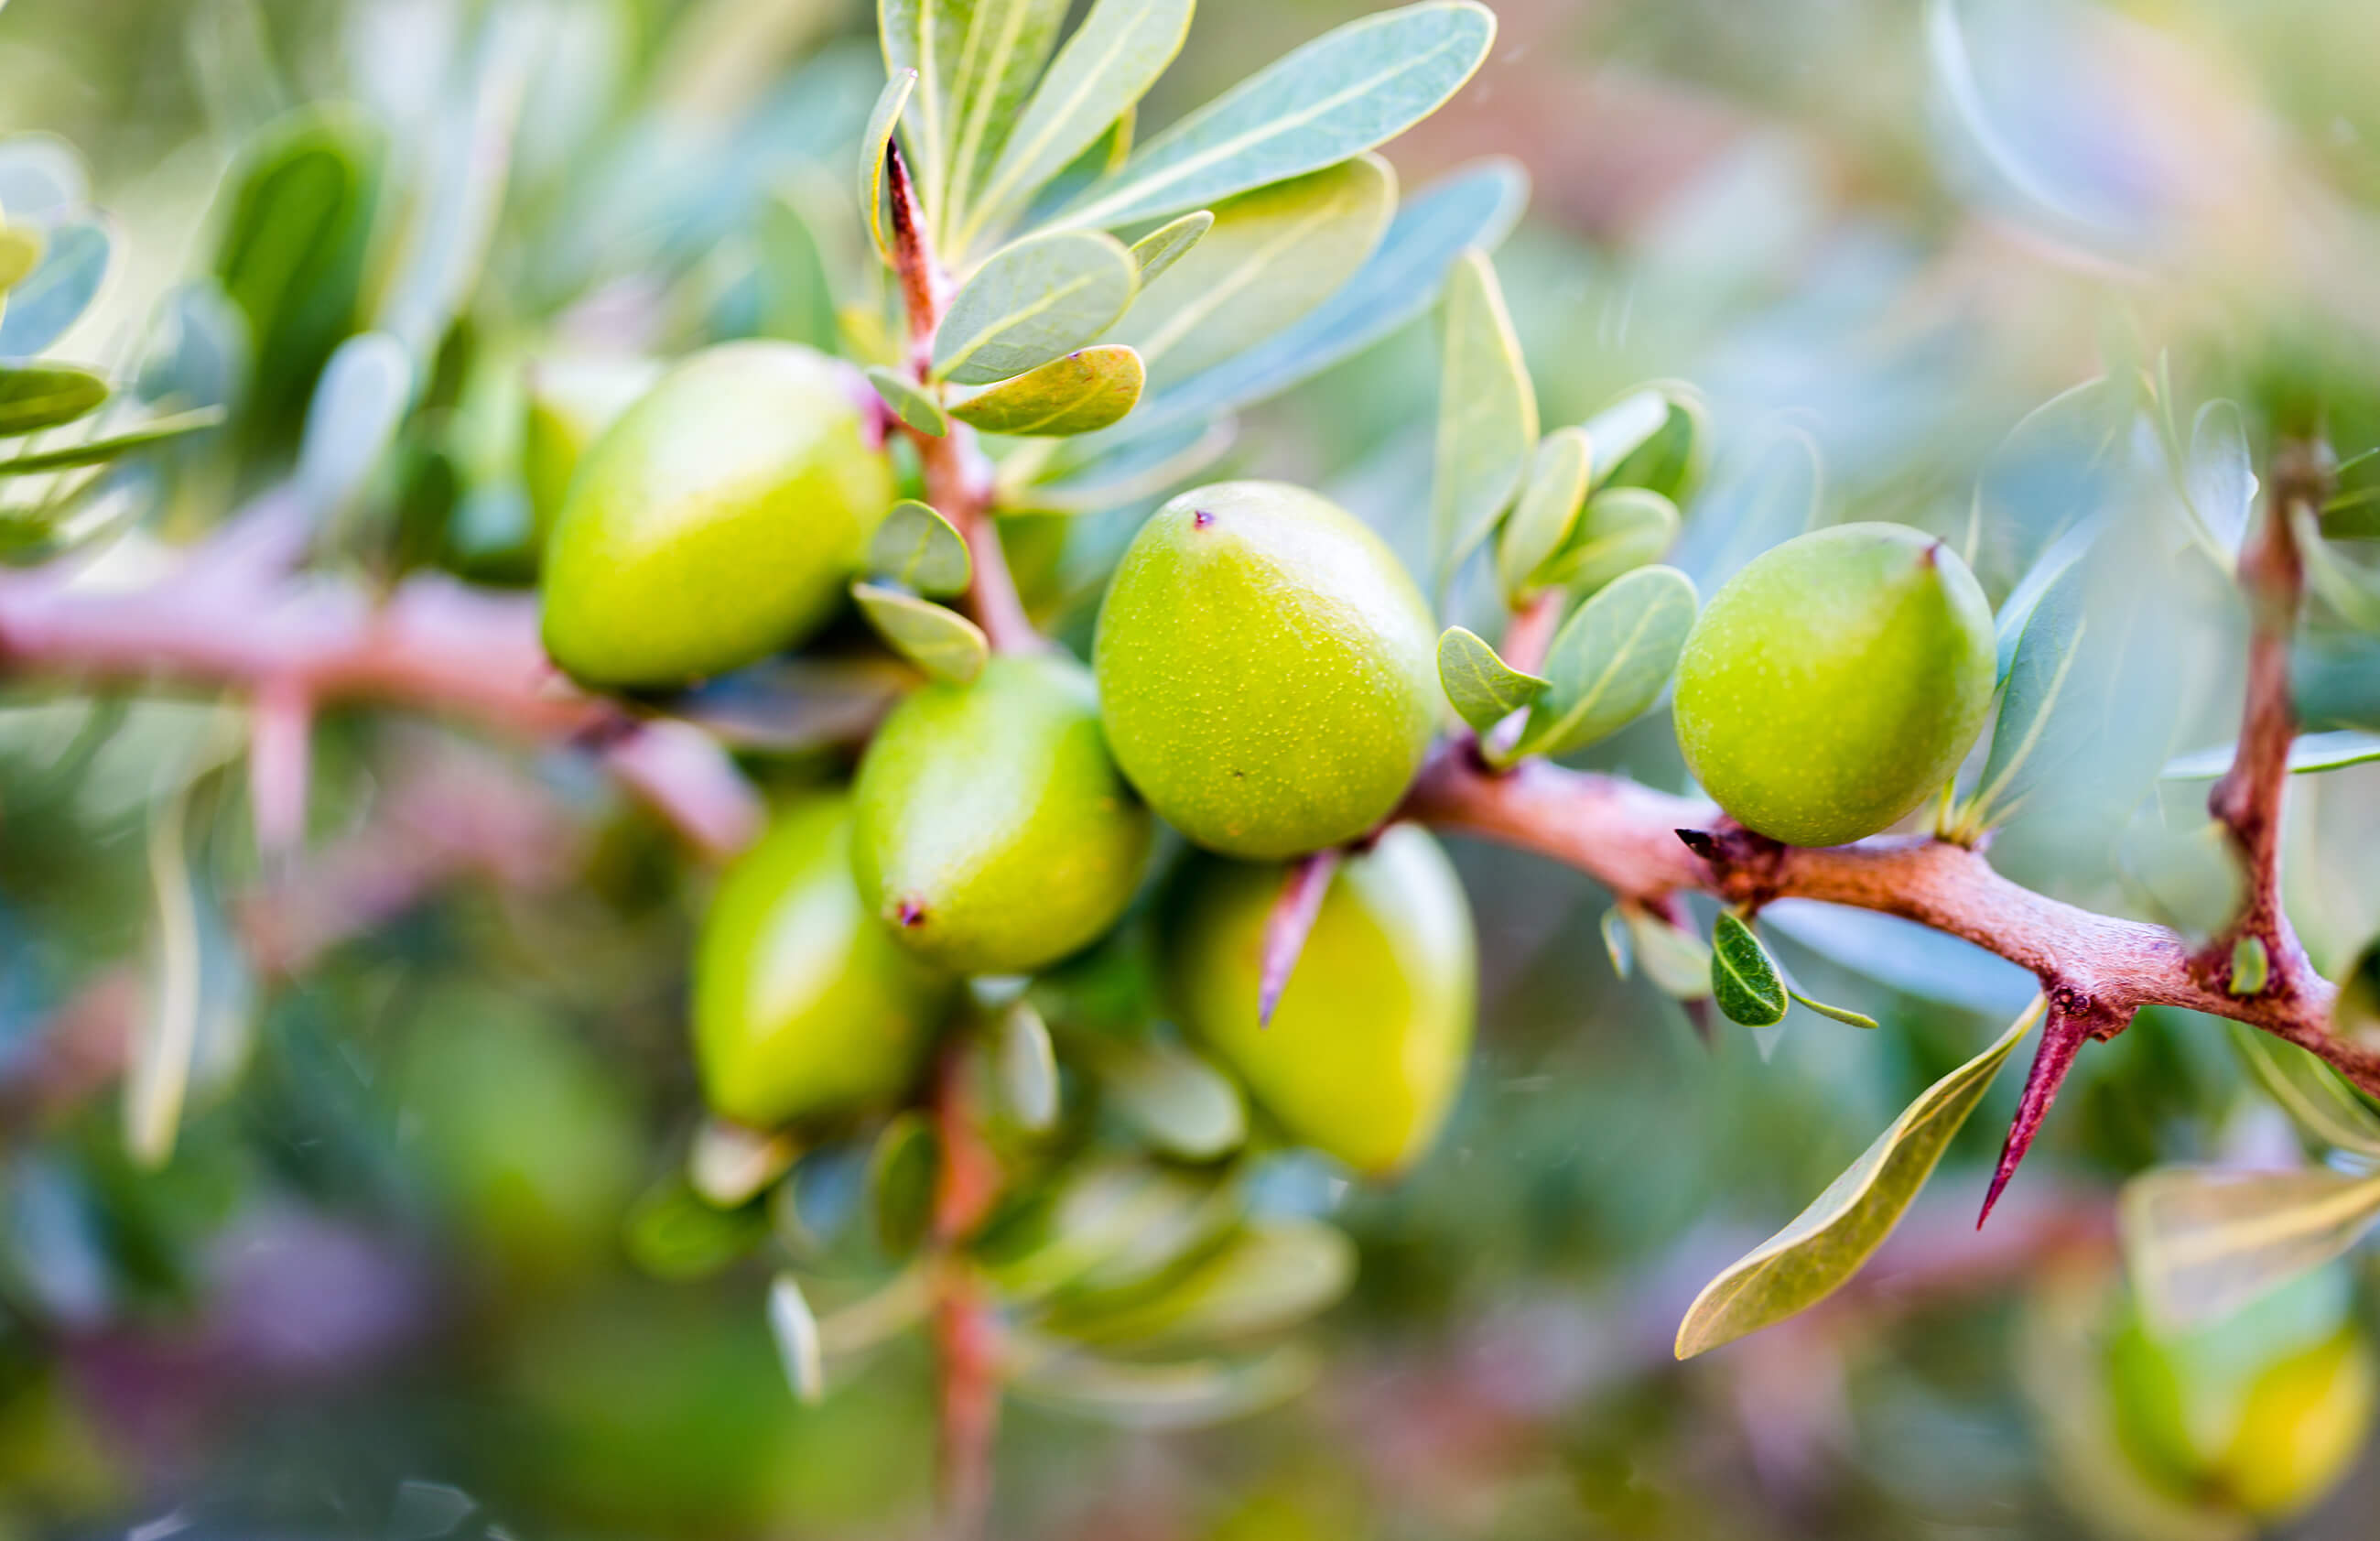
(1530, 633)
(966, 1332)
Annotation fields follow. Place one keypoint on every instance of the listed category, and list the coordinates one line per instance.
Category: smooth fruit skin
(992, 832)
(803, 1005)
(1266, 668)
(1367, 1045)
(716, 521)
(1836, 682)
(570, 402)
(2261, 1413)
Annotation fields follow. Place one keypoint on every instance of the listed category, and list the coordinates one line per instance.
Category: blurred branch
(966, 1333)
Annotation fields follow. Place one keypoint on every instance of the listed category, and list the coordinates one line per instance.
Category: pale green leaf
(1743, 977)
(1548, 509)
(1272, 257)
(92, 452)
(941, 641)
(1671, 460)
(1620, 529)
(1181, 1105)
(2219, 480)
(901, 1171)
(1610, 661)
(1168, 243)
(2314, 1096)
(1031, 303)
(2201, 1242)
(2016, 610)
(1486, 413)
(1675, 959)
(910, 401)
(1826, 1244)
(1134, 1394)
(1624, 427)
(1027, 1068)
(998, 51)
(1272, 1274)
(1108, 64)
(872, 146)
(917, 548)
(21, 252)
(2041, 684)
(1616, 943)
(1483, 688)
(157, 1079)
(1081, 393)
(795, 1331)
(2352, 591)
(1339, 96)
(362, 396)
(34, 396)
(2310, 751)
(672, 1233)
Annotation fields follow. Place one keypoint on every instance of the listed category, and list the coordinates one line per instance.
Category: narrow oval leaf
(1026, 1066)
(21, 252)
(917, 548)
(1181, 1105)
(2200, 1242)
(909, 401)
(34, 396)
(1486, 413)
(1045, 296)
(945, 643)
(54, 294)
(1087, 390)
(1347, 91)
(1548, 509)
(1620, 529)
(2222, 484)
(1109, 64)
(900, 1170)
(672, 1233)
(1743, 977)
(362, 396)
(92, 452)
(1624, 427)
(1675, 959)
(1839, 1014)
(1671, 460)
(2016, 610)
(796, 1329)
(1826, 1244)
(2310, 751)
(1483, 688)
(998, 50)
(2351, 590)
(1272, 256)
(2310, 1092)
(1162, 1398)
(873, 143)
(1611, 662)
(2041, 683)
(1168, 243)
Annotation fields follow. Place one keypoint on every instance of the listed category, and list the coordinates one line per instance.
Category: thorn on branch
(1288, 925)
(2072, 1019)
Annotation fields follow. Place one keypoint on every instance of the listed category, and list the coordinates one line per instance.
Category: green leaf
(1027, 1068)
(1168, 243)
(901, 1171)
(796, 1329)
(1134, 1394)
(2040, 681)
(795, 277)
(1673, 958)
(293, 248)
(1272, 1274)
(2201, 1242)
(872, 146)
(93, 452)
(917, 548)
(945, 643)
(1115, 474)
(1624, 427)
(1272, 256)
(1671, 459)
(1483, 688)
(1045, 296)
(34, 396)
(1614, 927)
(21, 253)
(1082, 393)
(1486, 413)
(1109, 64)
(1840, 1013)
(2220, 485)
(2352, 591)
(1743, 977)
(999, 49)
(1347, 91)
(1620, 529)
(909, 401)
(1611, 662)
(2017, 610)
(1181, 1104)
(362, 398)
(2249, 965)
(1473, 207)
(2310, 1092)
(2308, 753)
(672, 1233)
(1826, 1244)
(1548, 509)
(54, 294)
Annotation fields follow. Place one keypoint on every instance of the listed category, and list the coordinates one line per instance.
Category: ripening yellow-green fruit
(570, 402)
(716, 521)
(1267, 669)
(2260, 1414)
(803, 1005)
(992, 833)
(1836, 682)
(1367, 1049)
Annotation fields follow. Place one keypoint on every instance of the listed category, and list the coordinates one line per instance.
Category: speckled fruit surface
(1266, 668)
(716, 521)
(1836, 682)
(1367, 1046)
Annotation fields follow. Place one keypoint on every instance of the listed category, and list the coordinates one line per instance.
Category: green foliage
(1081, 393)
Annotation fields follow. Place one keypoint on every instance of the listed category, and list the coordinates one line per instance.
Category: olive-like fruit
(716, 521)
(1266, 668)
(1366, 1048)
(802, 1004)
(570, 402)
(1836, 682)
(2260, 1413)
(992, 832)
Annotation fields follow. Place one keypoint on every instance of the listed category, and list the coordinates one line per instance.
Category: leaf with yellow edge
(872, 147)
(1085, 391)
(1486, 413)
(2200, 1242)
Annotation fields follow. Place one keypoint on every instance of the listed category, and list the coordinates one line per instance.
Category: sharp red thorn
(2060, 1038)
(1287, 926)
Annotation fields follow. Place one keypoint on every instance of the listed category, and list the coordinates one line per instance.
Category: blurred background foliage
(398, 1280)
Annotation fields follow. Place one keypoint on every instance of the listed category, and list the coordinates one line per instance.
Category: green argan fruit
(1366, 1048)
(716, 521)
(991, 830)
(1836, 682)
(2261, 1413)
(571, 401)
(1266, 668)
(802, 1004)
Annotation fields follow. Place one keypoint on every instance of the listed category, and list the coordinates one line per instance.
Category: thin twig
(966, 1335)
